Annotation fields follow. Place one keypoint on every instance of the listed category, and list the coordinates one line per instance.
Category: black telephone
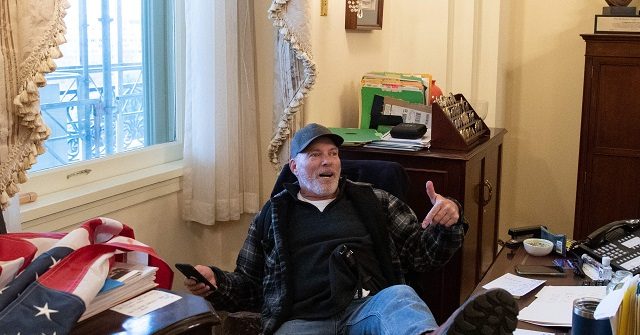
(620, 240)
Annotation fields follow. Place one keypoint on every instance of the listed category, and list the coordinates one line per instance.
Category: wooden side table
(191, 314)
(473, 178)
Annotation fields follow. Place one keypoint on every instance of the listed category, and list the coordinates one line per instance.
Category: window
(111, 102)
(113, 90)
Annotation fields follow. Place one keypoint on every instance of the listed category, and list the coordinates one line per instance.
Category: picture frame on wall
(370, 12)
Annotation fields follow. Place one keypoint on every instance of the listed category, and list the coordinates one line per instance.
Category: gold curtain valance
(30, 33)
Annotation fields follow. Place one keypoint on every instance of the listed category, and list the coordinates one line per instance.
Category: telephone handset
(620, 240)
(600, 235)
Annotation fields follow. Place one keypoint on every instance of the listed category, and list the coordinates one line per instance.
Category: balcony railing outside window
(97, 103)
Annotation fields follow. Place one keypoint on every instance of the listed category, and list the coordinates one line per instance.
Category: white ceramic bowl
(537, 246)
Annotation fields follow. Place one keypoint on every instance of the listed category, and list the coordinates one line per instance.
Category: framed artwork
(363, 14)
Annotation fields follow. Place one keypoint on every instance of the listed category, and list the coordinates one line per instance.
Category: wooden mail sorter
(455, 124)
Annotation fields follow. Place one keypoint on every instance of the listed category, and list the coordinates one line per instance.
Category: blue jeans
(395, 310)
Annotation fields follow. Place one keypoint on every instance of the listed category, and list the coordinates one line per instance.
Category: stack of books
(124, 282)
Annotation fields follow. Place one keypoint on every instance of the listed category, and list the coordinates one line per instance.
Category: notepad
(516, 285)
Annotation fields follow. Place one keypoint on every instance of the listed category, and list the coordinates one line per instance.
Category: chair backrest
(388, 176)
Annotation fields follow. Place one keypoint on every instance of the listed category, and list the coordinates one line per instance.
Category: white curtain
(221, 179)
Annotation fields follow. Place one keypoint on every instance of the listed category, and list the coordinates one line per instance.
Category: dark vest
(322, 283)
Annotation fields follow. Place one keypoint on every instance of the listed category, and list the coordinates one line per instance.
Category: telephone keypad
(631, 262)
(611, 250)
(627, 259)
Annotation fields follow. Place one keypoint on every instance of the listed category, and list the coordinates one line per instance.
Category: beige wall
(542, 96)
(543, 78)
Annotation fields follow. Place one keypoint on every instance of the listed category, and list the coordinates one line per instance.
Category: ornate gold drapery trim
(22, 129)
(282, 133)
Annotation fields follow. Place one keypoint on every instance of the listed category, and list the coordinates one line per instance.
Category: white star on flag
(53, 262)
(45, 311)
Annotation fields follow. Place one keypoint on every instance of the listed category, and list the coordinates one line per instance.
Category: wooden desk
(191, 314)
(507, 260)
(473, 178)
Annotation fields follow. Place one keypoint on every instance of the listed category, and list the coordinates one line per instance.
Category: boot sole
(493, 313)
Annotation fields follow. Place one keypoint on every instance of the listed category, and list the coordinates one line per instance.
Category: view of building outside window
(94, 101)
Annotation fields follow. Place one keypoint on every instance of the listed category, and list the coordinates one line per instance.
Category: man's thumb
(431, 192)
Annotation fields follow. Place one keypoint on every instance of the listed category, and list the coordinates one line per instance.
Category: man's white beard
(319, 189)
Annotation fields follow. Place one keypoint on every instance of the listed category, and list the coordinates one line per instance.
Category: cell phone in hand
(190, 272)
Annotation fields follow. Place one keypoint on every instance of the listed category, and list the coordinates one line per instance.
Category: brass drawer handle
(488, 185)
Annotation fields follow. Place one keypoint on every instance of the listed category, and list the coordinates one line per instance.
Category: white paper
(409, 115)
(519, 331)
(516, 285)
(554, 304)
(146, 303)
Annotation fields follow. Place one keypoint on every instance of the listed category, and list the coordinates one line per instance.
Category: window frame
(100, 180)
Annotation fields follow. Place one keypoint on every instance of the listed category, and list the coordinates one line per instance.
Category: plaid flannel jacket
(261, 280)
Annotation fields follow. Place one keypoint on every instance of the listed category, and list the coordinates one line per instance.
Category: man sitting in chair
(327, 256)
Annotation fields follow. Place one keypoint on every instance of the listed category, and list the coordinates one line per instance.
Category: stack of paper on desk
(516, 285)
(388, 142)
(553, 306)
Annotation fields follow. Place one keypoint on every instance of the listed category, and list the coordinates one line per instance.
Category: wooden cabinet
(473, 178)
(608, 184)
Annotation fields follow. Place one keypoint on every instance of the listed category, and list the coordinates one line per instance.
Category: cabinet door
(490, 201)
(614, 189)
(608, 184)
(482, 186)
(615, 107)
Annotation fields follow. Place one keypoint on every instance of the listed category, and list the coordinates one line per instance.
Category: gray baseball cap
(303, 137)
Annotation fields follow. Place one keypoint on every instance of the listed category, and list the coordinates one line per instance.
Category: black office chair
(388, 176)
(385, 175)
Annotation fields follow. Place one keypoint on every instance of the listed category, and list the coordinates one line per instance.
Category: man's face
(317, 169)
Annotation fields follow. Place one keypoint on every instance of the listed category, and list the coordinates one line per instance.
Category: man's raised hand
(444, 211)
